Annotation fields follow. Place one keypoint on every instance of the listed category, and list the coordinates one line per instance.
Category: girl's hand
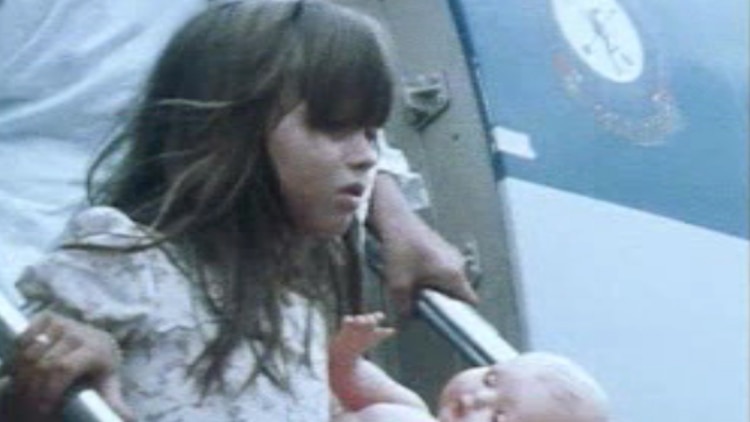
(55, 353)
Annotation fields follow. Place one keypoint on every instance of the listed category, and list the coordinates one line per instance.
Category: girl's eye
(371, 133)
(490, 378)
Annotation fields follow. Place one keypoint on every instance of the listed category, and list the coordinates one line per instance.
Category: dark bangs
(348, 78)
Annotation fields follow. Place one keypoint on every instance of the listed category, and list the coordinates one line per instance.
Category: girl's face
(498, 393)
(323, 174)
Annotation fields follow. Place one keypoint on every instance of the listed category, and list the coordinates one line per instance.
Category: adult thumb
(111, 391)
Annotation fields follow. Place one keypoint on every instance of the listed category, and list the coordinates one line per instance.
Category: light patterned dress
(157, 315)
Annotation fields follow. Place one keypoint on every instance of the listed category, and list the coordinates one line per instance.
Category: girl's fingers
(364, 321)
(373, 319)
(369, 319)
(383, 333)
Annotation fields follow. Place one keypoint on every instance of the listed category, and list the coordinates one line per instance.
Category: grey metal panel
(453, 155)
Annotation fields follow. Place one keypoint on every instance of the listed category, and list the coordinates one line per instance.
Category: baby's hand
(358, 334)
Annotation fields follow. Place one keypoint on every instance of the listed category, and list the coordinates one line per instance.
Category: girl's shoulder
(106, 227)
(95, 275)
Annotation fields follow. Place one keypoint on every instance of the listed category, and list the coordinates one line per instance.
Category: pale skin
(414, 255)
(514, 391)
(366, 393)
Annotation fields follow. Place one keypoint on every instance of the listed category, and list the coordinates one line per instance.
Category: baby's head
(534, 387)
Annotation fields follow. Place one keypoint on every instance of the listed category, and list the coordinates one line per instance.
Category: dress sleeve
(109, 289)
(393, 161)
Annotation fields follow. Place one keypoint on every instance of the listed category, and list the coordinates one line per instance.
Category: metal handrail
(462, 326)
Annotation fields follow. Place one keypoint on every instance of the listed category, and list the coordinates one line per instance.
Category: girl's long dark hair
(193, 164)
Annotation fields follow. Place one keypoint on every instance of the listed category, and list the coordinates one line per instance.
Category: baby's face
(498, 393)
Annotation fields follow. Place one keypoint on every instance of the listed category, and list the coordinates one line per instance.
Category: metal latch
(472, 265)
(426, 97)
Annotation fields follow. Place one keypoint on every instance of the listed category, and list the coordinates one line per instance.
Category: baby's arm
(357, 382)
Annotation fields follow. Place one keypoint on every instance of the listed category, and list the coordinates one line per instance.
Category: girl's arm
(357, 382)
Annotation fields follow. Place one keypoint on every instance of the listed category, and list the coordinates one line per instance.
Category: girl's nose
(362, 153)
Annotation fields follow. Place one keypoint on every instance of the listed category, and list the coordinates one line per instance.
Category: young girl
(214, 252)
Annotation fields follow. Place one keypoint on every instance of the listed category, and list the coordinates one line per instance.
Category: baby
(534, 387)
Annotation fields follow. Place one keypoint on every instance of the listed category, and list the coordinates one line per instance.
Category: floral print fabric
(162, 325)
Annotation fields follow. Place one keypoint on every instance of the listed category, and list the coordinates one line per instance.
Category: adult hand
(55, 353)
(413, 254)
(419, 257)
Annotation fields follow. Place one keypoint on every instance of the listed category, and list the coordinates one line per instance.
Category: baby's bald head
(534, 387)
(568, 392)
